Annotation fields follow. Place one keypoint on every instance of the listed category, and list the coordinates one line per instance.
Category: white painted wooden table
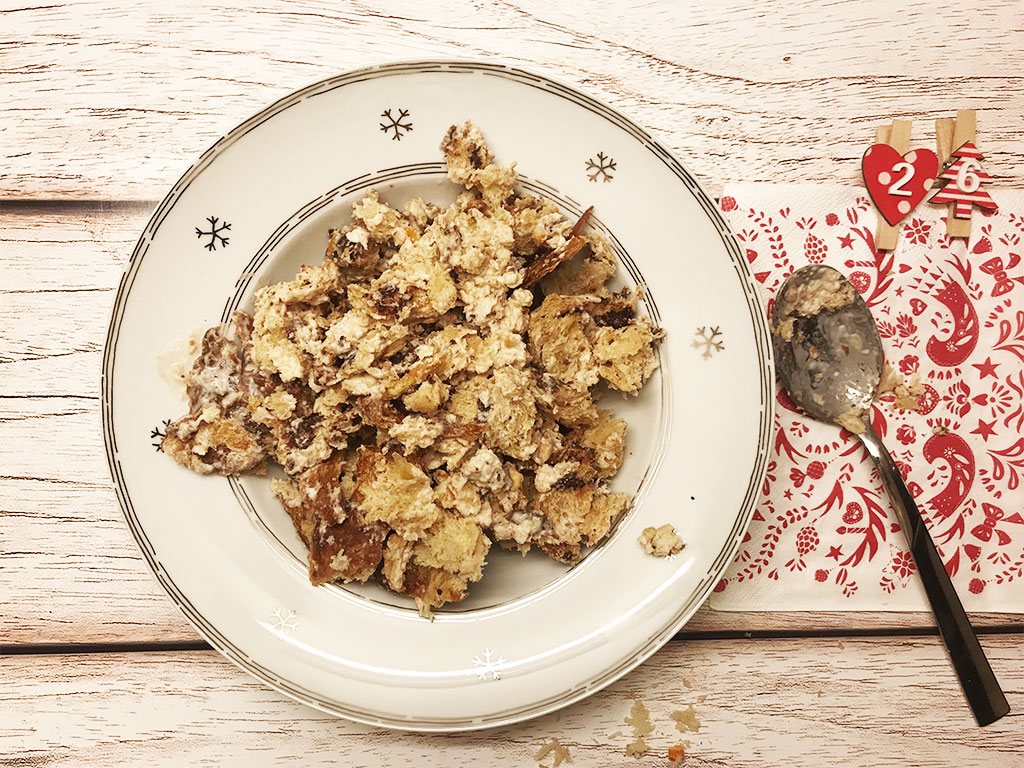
(102, 105)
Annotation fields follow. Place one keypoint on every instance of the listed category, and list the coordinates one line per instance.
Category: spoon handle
(980, 686)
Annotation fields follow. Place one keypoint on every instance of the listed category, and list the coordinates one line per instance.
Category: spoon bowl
(829, 361)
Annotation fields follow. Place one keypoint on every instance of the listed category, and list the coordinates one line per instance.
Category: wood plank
(59, 267)
(100, 99)
(72, 573)
(817, 703)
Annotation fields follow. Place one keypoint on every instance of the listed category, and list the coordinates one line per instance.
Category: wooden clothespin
(896, 136)
(964, 178)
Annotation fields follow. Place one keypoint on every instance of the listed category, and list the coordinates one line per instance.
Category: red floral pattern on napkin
(823, 535)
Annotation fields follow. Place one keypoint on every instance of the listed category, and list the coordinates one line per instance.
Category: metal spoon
(830, 361)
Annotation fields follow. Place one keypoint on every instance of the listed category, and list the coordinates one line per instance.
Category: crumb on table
(640, 719)
(559, 753)
(677, 754)
(686, 720)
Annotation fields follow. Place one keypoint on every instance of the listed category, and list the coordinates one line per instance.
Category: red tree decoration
(964, 179)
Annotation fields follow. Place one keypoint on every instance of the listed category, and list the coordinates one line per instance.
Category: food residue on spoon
(852, 422)
(827, 293)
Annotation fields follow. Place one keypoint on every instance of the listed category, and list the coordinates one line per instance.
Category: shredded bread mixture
(430, 388)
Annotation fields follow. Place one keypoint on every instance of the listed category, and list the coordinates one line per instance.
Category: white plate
(534, 635)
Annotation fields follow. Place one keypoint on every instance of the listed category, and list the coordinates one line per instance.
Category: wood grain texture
(71, 571)
(796, 703)
(59, 268)
(100, 99)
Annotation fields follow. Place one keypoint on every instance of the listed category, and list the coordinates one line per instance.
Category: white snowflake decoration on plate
(487, 666)
(285, 621)
(708, 340)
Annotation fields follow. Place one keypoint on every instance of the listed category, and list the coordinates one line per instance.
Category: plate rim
(761, 341)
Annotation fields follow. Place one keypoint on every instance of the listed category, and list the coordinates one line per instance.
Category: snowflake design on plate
(601, 167)
(285, 621)
(488, 667)
(217, 228)
(708, 340)
(158, 434)
(395, 125)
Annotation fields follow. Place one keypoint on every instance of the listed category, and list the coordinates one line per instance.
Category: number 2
(896, 188)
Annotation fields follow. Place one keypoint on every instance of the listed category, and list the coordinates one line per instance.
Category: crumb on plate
(661, 542)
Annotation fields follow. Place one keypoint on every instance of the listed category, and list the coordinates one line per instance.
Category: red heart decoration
(917, 306)
(898, 183)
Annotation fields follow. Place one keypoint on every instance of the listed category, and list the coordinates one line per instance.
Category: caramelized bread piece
(349, 550)
(217, 434)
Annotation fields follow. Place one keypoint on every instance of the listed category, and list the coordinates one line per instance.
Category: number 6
(966, 178)
(896, 188)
